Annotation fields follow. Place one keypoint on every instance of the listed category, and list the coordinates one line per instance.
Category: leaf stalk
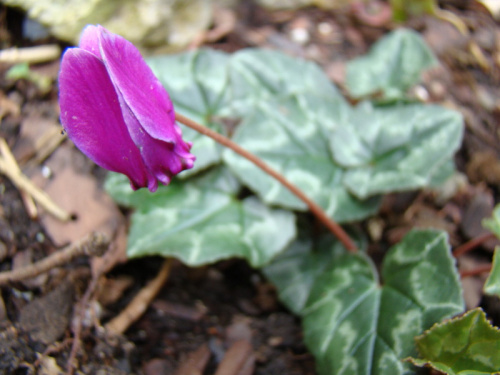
(315, 209)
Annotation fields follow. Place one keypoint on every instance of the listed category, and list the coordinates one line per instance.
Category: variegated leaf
(200, 221)
(355, 323)
(465, 345)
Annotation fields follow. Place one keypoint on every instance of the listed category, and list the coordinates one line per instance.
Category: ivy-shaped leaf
(465, 345)
(201, 221)
(293, 139)
(395, 148)
(257, 75)
(352, 324)
(295, 119)
(294, 271)
(393, 65)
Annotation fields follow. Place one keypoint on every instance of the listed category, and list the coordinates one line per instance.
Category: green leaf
(492, 284)
(118, 186)
(197, 84)
(257, 75)
(464, 345)
(393, 65)
(201, 221)
(352, 324)
(442, 174)
(395, 148)
(293, 139)
(295, 119)
(294, 271)
(493, 224)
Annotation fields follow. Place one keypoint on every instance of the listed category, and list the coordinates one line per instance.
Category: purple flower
(117, 112)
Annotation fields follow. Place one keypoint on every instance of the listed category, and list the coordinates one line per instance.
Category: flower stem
(313, 207)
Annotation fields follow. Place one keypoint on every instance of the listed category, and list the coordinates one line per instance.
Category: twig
(472, 244)
(476, 271)
(94, 244)
(57, 347)
(11, 164)
(313, 207)
(452, 18)
(108, 261)
(30, 55)
(24, 183)
(77, 323)
(478, 54)
(141, 301)
(44, 147)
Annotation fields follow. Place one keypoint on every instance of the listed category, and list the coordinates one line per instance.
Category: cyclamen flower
(117, 112)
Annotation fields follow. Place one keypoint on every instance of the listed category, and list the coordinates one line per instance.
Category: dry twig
(11, 164)
(9, 167)
(141, 301)
(108, 261)
(94, 244)
(30, 55)
(45, 146)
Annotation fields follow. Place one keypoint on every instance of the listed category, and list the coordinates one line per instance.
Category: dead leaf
(479, 208)
(195, 362)
(111, 290)
(8, 107)
(239, 360)
(239, 330)
(157, 366)
(484, 166)
(442, 37)
(79, 194)
(35, 130)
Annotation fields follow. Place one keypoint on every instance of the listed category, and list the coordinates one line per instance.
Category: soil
(202, 314)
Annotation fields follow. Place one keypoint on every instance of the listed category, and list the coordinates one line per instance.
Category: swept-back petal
(89, 41)
(164, 159)
(92, 118)
(141, 90)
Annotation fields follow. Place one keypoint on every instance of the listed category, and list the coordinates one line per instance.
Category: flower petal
(92, 118)
(89, 41)
(141, 90)
(164, 159)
